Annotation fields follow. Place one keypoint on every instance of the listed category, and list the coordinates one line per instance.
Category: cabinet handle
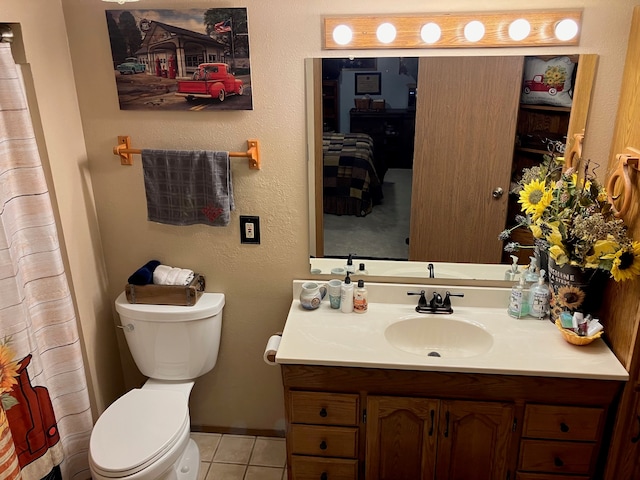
(323, 412)
(323, 445)
(324, 476)
(433, 413)
(446, 426)
(637, 437)
(564, 427)
(497, 192)
(557, 461)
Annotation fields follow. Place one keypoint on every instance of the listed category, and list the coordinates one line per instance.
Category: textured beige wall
(242, 391)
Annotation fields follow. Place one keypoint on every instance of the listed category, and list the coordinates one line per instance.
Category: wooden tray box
(184, 295)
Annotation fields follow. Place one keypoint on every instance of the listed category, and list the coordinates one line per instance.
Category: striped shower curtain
(43, 387)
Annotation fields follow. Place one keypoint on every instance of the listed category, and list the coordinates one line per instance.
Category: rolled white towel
(160, 274)
(172, 275)
(185, 277)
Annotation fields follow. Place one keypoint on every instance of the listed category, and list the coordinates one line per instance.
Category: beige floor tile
(263, 473)
(234, 449)
(204, 469)
(207, 444)
(226, 471)
(269, 452)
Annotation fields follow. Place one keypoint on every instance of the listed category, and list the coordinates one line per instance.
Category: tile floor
(240, 457)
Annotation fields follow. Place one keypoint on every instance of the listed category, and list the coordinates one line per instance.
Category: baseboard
(257, 432)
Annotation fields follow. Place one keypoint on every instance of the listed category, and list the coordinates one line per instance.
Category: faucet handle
(447, 298)
(422, 302)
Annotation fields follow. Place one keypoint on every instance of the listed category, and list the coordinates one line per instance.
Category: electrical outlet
(249, 229)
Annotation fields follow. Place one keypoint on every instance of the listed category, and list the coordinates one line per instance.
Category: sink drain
(433, 354)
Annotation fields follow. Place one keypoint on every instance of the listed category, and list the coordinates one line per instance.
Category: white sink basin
(441, 336)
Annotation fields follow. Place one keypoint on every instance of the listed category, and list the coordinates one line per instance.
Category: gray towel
(188, 187)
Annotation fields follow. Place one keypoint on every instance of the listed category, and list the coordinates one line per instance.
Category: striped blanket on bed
(351, 184)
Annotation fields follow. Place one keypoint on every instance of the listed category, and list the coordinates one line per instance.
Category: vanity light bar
(460, 30)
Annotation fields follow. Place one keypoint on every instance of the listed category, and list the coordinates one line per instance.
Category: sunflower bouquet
(570, 218)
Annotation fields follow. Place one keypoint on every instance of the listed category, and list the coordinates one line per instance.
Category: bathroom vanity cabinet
(346, 423)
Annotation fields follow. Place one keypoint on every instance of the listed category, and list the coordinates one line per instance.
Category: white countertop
(531, 347)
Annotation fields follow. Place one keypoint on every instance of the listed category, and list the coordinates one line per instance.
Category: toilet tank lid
(209, 305)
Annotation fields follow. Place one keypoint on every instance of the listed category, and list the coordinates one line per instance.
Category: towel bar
(125, 152)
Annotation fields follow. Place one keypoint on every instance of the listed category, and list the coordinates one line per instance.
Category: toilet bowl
(145, 434)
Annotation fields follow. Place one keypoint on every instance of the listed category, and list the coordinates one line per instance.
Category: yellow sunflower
(570, 297)
(559, 254)
(600, 251)
(626, 263)
(534, 198)
(8, 369)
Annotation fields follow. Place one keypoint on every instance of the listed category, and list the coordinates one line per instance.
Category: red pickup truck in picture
(537, 84)
(211, 80)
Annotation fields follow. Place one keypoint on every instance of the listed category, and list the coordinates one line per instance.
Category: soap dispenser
(531, 275)
(362, 270)
(539, 298)
(512, 272)
(346, 295)
(518, 305)
(360, 301)
(350, 267)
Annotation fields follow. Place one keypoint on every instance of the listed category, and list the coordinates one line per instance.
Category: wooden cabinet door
(401, 438)
(465, 129)
(474, 440)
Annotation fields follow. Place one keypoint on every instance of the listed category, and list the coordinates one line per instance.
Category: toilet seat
(136, 430)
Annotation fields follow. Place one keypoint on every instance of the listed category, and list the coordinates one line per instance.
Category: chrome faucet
(437, 304)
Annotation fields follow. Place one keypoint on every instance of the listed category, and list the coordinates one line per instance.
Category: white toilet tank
(170, 342)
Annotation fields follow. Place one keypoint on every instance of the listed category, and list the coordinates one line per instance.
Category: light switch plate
(249, 229)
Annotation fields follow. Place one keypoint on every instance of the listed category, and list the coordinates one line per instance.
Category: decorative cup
(334, 293)
(311, 295)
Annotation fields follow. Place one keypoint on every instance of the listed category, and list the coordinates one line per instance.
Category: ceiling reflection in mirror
(364, 122)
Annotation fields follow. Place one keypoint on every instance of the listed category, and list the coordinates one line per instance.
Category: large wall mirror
(416, 167)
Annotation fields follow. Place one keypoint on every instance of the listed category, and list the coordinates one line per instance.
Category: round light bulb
(386, 33)
(474, 31)
(566, 29)
(430, 33)
(519, 29)
(342, 35)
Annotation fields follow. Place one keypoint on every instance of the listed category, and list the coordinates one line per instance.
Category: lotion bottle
(360, 302)
(518, 305)
(346, 295)
(539, 298)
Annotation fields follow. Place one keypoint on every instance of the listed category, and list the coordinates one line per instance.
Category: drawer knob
(323, 412)
(564, 427)
(323, 445)
(324, 476)
(557, 461)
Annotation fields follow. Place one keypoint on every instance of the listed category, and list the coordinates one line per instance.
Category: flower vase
(9, 466)
(574, 289)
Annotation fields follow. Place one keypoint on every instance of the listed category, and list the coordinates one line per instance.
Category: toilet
(145, 434)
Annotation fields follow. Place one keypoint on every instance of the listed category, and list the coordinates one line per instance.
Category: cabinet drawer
(562, 423)
(324, 441)
(324, 408)
(314, 468)
(556, 457)
(544, 476)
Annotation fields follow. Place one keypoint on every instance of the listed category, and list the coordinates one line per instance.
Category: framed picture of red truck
(189, 59)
